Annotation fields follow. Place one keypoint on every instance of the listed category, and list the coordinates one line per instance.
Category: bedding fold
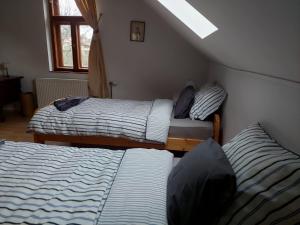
(159, 120)
(138, 195)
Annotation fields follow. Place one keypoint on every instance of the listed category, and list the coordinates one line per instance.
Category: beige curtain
(97, 74)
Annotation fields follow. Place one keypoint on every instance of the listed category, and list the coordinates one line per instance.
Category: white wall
(156, 68)
(23, 41)
(253, 98)
(261, 36)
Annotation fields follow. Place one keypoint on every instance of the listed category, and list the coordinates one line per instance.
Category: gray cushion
(200, 186)
(185, 102)
(187, 128)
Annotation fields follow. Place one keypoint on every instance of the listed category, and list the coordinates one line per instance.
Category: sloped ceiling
(256, 35)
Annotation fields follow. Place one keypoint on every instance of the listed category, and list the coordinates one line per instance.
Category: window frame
(74, 22)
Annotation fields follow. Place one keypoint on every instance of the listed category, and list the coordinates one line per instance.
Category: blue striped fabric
(268, 180)
(42, 184)
(107, 117)
(110, 117)
(138, 195)
(207, 101)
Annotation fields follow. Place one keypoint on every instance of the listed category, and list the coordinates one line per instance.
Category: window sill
(69, 71)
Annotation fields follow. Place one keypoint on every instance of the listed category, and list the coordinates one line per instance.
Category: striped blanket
(108, 117)
(42, 184)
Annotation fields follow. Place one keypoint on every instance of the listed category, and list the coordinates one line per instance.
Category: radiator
(50, 89)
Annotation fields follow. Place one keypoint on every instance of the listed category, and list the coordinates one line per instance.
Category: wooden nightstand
(10, 90)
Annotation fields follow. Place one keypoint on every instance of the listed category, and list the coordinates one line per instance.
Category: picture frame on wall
(137, 31)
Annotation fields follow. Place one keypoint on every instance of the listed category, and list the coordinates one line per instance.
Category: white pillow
(207, 101)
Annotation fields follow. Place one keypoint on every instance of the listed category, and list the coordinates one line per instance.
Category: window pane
(68, 8)
(66, 45)
(86, 33)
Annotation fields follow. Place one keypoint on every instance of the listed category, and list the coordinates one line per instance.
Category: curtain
(97, 74)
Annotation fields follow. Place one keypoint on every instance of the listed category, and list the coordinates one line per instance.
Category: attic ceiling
(259, 36)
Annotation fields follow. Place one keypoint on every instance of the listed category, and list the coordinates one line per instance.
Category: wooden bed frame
(173, 143)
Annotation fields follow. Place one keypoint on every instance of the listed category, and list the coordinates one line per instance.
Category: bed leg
(217, 127)
(38, 139)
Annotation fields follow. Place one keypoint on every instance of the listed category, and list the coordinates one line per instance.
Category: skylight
(192, 18)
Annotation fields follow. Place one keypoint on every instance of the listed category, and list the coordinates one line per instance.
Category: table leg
(1, 114)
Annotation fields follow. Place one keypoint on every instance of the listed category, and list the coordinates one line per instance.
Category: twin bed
(43, 184)
(47, 184)
(123, 123)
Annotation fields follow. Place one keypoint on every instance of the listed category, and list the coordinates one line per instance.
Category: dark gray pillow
(200, 186)
(184, 103)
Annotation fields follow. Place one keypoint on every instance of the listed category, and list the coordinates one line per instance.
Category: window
(187, 14)
(71, 36)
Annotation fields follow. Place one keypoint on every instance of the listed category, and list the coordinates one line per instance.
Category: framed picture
(137, 31)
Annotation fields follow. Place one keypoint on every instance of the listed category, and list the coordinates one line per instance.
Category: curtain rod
(260, 74)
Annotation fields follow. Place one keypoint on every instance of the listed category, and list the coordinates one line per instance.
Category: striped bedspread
(42, 184)
(107, 117)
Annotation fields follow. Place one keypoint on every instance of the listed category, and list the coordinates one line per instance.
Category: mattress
(187, 128)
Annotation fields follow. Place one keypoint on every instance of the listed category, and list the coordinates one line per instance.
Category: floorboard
(14, 127)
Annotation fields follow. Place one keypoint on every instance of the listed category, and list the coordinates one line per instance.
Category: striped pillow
(207, 101)
(268, 180)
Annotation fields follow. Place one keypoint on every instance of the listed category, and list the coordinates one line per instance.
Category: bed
(122, 123)
(47, 184)
(42, 184)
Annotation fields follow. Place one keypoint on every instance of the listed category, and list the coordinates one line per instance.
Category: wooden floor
(14, 128)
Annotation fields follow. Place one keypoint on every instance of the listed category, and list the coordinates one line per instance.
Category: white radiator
(50, 89)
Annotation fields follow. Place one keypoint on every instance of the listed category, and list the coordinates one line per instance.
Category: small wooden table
(10, 90)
